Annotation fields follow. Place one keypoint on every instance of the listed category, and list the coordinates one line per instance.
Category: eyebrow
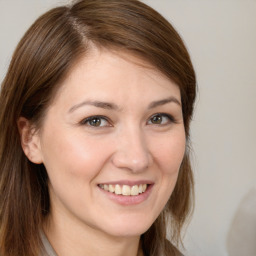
(112, 106)
(98, 104)
(155, 104)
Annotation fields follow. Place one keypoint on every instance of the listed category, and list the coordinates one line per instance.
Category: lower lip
(129, 200)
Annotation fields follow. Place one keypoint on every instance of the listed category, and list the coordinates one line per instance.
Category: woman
(94, 136)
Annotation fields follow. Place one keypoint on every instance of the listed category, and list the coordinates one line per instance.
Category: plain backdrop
(221, 38)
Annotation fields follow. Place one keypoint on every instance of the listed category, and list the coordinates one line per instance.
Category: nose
(132, 152)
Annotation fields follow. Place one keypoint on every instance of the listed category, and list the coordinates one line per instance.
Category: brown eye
(161, 119)
(156, 119)
(96, 121)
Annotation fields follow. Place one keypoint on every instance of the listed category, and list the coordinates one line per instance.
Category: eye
(161, 119)
(96, 121)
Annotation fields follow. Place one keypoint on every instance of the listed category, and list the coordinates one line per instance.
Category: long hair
(42, 59)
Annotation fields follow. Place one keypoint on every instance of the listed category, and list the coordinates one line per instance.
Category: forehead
(117, 75)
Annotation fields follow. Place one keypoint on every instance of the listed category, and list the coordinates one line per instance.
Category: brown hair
(41, 60)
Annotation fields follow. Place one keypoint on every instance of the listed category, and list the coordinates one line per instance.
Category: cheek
(169, 152)
(73, 162)
(74, 156)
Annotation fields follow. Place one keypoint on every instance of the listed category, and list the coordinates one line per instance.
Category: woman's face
(112, 142)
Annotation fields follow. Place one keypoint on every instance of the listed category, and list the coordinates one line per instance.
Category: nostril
(132, 151)
(135, 162)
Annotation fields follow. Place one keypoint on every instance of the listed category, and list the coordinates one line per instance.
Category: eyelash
(170, 118)
(87, 121)
(91, 118)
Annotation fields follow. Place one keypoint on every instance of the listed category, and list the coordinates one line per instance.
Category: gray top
(48, 250)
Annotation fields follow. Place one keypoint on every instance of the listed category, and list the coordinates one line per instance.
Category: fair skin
(115, 127)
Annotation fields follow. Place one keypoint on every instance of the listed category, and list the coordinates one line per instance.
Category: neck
(69, 239)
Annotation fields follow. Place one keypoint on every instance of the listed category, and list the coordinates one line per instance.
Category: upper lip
(127, 182)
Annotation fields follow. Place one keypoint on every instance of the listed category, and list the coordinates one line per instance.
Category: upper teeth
(125, 190)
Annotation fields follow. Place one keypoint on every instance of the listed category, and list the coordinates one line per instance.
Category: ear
(30, 140)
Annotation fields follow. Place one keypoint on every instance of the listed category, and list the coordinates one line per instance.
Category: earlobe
(30, 141)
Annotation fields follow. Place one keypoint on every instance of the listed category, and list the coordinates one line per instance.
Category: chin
(128, 227)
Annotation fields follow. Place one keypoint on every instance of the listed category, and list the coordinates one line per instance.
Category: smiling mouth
(124, 190)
